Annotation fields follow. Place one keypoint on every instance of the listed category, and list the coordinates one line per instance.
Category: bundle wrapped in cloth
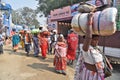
(35, 31)
(86, 7)
(104, 22)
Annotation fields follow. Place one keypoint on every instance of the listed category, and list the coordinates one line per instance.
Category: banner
(60, 13)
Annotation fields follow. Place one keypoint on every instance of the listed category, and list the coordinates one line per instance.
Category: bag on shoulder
(107, 67)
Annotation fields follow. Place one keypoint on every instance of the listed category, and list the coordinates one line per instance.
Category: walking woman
(36, 44)
(91, 61)
(15, 41)
(72, 41)
(43, 41)
(60, 59)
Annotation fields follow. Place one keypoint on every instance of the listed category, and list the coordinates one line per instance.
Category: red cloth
(43, 46)
(15, 47)
(60, 63)
(72, 41)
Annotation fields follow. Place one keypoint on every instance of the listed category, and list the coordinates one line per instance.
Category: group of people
(45, 42)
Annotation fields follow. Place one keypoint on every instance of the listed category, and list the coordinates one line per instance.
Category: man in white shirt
(54, 37)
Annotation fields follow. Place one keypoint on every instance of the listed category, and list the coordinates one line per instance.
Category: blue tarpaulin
(7, 17)
(5, 7)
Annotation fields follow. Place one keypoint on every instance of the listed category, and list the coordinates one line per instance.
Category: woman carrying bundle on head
(92, 61)
(43, 42)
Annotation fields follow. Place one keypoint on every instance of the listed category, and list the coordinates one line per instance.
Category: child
(60, 59)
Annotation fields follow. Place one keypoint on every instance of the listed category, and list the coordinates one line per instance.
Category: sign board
(60, 13)
(52, 25)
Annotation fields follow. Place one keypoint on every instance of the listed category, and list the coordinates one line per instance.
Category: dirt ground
(17, 66)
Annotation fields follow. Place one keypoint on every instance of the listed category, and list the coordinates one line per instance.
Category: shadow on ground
(41, 67)
(32, 56)
(23, 53)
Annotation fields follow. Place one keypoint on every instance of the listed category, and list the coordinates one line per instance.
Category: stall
(60, 19)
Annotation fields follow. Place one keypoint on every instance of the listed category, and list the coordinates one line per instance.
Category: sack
(107, 67)
(86, 8)
(104, 22)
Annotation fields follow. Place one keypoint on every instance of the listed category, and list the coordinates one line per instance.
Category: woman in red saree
(60, 59)
(43, 43)
(72, 41)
